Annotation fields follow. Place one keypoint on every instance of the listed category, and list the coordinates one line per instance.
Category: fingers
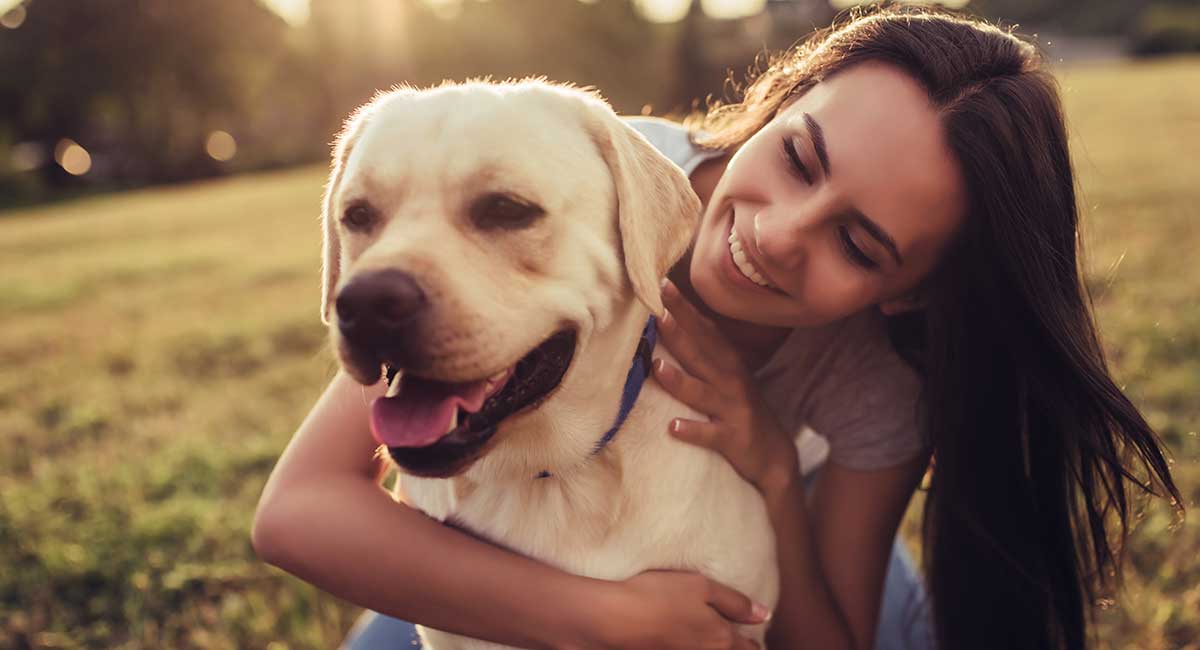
(689, 315)
(705, 434)
(697, 338)
(697, 394)
(742, 643)
(697, 353)
(734, 605)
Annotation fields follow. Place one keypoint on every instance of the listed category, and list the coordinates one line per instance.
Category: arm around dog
(324, 518)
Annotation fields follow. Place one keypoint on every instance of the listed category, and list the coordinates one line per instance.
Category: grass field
(158, 348)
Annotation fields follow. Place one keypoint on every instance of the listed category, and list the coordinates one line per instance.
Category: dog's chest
(685, 510)
(566, 523)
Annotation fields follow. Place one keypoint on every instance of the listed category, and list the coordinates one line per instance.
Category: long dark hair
(1035, 448)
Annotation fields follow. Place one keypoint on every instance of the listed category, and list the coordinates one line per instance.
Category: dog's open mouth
(429, 425)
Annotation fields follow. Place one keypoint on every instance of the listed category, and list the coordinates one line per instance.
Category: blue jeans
(904, 616)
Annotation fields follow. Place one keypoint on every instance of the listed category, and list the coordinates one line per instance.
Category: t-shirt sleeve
(668, 137)
(869, 412)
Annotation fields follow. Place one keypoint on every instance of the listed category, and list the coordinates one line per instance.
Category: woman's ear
(911, 301)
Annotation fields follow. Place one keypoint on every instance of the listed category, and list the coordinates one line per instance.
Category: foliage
(1166, 28)
(141, 84)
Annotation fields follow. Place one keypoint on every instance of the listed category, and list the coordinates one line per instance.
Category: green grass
(160, 347)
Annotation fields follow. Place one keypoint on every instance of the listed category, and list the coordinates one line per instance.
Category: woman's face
(843, 201)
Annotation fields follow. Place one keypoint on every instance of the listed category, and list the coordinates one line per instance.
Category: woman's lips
(730, 269)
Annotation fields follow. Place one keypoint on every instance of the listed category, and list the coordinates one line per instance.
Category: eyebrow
(873, 229)
(818, 139)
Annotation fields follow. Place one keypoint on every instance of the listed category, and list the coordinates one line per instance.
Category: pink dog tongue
(420, 414)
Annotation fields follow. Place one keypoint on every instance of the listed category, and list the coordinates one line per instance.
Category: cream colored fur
(618, 214)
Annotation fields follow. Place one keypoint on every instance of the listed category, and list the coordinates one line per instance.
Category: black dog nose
(379, 305)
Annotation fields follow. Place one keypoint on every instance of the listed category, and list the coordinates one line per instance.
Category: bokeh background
(161, 163)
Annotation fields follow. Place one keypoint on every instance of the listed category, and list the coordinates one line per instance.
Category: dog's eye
(503, 211)
(358, 217)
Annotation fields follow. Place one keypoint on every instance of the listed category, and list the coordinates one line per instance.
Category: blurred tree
(139, 83)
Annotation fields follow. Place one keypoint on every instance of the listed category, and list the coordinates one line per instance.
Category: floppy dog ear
(658, 210)
(331, 248)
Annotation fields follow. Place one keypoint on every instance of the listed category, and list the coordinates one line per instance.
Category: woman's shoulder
(672, 139)
(849, 384)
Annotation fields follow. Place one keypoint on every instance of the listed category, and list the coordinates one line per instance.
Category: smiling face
(844, 200)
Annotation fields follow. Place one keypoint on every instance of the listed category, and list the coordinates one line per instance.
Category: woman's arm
(839, 552)
(324, 518)
(832, 563)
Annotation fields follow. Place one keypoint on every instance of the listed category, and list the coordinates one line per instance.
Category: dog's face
(476, 237)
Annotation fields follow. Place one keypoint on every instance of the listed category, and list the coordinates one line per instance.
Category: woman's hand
(714, 381)
(668, 610)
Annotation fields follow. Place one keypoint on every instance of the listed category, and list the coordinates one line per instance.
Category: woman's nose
(780, 239)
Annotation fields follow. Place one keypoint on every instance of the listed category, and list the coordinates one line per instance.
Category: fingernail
(666, 321)
(676, 425)
(659, 364)
(761, 612)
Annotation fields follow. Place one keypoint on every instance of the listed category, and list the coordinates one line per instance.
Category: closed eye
(789, 150)
(853, 252)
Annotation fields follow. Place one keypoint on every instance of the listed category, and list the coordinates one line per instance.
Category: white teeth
(496, 379)
(742, 262)
(453, 420)
(394, 387)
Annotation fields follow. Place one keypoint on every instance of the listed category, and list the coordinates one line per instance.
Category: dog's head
(476, 236)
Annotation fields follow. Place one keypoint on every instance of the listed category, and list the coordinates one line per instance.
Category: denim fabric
(904, 617)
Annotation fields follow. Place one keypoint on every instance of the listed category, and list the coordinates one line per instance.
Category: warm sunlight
(72, 157)
(731, 9)
(844, 4)
(296, 12)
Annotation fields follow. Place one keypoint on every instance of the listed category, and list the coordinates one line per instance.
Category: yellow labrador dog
(502, 245)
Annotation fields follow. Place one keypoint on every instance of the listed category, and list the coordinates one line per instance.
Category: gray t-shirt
(841, 388)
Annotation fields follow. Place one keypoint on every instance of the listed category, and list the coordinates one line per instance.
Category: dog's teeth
(498, 376)
(394, 387)
(453, 420)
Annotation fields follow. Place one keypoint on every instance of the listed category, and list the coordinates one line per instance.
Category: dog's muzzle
(434, 428)
(379, 315)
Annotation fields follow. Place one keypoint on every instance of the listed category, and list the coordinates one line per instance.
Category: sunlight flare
(220, 146)
(72, 157)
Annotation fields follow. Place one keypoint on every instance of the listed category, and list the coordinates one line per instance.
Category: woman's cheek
(834, 291)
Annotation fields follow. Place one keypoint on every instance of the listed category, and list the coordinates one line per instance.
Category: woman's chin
(718, 296)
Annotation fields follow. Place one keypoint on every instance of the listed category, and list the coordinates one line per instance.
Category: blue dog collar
(638, 372)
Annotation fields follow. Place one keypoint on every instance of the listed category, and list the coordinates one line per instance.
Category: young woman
(888, 253)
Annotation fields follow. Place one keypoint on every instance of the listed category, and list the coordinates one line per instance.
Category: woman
(897, 186)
